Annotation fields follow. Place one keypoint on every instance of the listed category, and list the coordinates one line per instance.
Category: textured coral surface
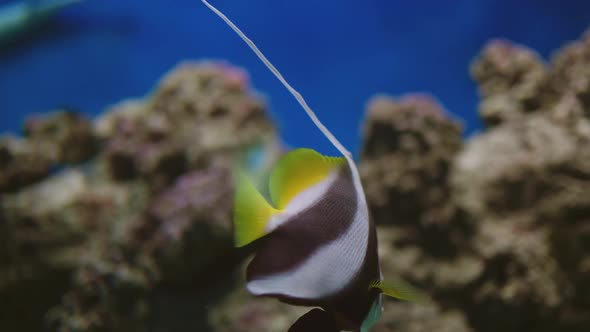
(123, 223)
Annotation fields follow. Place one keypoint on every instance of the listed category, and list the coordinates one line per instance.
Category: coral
(239, 311)
(570, 72)
(512, 80)
(197, 115)
(46, 236)
(182, 231)
(110, 241)
(495, 228)
(51, 141)
(513, 254)
(66, 132)
(526, 185)
(107, 293)
(409, 146)
(419, 318)
(23, 162)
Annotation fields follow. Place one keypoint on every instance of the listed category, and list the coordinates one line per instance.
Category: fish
(315, 243)
(23, 16)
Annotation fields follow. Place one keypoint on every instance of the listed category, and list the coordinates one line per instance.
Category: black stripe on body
(351, 306)
(293, 242)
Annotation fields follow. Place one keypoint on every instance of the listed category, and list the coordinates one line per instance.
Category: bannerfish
(318, 245)
(315, 242)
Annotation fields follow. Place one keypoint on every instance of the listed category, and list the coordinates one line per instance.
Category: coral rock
(570, 74)
(109, 245)
(71, 134)
(200, 113)
(524, 186)
(511, 79)
(513, 254)
(23, 162)
(408, 150)
(419, 318)
(182, 230)
(239, 311)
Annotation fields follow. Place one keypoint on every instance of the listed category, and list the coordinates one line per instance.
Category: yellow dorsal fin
(297, 171)
(400, 290)
(252, 212)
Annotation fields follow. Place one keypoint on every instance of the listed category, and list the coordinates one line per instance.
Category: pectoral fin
(400, 290)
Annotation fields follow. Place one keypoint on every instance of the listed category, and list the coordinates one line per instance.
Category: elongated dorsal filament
(297, 95)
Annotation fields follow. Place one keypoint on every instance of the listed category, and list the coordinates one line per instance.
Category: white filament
(300, 99)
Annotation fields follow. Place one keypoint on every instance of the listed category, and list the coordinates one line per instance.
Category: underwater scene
(408, 166)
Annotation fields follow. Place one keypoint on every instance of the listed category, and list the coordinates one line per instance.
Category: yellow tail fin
(251, 212)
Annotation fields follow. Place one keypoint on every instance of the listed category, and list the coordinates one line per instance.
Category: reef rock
(199, 115)
(408, 317)
(529, 199)
(240, 311)
(495, 228)
(23, 162)
(570, 72)
(66, 132)
(50, 141)
(409, 145)
(512, 255)
(512, 80)
(181, 226)
(108, 245)
(49, 230)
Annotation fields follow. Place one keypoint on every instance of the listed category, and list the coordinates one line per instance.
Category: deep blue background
(338, 53)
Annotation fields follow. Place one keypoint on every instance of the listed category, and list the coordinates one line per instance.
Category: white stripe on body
(331, 268)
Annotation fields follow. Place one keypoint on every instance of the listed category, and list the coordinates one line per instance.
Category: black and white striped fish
(317, 244)
(318, 247)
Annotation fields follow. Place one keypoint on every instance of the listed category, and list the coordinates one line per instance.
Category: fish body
(318, 246)
(20, 17)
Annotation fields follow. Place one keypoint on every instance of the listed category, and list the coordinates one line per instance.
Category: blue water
(338, 53)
